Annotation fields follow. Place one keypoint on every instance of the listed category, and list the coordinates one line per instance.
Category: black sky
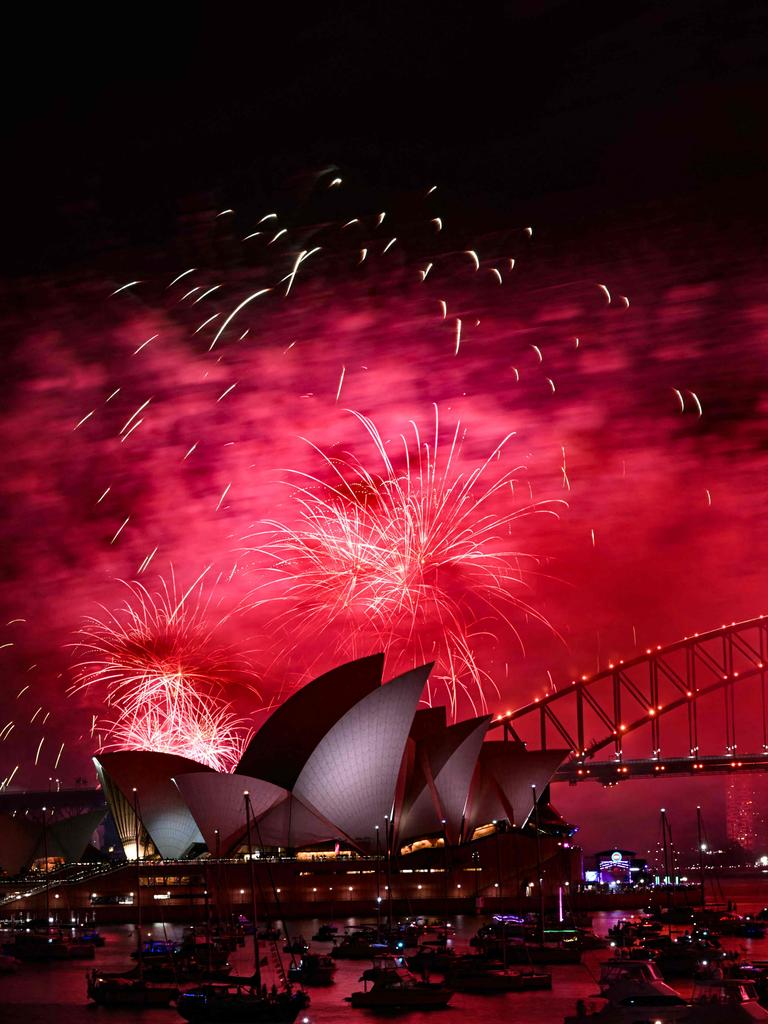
(117, 118)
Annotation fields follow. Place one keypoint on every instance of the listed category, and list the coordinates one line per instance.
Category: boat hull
(411, 1000)
(114, 992)
(204, 1008)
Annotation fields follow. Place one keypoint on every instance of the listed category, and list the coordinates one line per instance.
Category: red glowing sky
(657, 414)
(663, 531)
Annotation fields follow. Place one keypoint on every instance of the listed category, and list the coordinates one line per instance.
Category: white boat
(632, 992)
(727, 1001)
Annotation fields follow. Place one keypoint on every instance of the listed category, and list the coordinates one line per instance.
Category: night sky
(611, 154)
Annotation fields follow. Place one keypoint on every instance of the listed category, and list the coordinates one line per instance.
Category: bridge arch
(631, 700)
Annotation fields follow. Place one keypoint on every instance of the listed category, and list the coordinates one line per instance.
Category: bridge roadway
(610, 773)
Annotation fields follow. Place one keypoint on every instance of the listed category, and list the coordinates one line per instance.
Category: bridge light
(689, 694)
(623, 728)
(651, 712)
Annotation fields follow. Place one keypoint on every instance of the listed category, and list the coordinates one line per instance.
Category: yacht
(313, 969)
(240, 1001)
(117, 991)
(632, 992)
(393, 987)
(727, 1001)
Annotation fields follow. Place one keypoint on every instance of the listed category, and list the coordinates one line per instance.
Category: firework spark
(413, 559)
(158, 667)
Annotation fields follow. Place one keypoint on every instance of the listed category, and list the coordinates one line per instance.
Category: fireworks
(412, 558)
(159, 669)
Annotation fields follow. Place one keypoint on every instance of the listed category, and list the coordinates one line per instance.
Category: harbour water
(56, 993)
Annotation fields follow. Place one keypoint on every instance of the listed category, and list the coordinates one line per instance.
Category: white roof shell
(351, 776)
(162, 810)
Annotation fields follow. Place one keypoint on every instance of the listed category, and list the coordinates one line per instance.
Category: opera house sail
(346, 762)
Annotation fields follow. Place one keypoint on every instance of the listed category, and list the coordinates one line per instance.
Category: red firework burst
(416, 559)
(161, 672)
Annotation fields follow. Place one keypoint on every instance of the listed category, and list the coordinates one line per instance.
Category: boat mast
(47, 882)
(538, 864)
(378, 881)
(390, 839)
(256, 966)
(665, 846)
(138, 883)
(667, 875)
(702, 847)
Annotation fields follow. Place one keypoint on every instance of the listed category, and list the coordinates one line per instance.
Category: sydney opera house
(348, 766)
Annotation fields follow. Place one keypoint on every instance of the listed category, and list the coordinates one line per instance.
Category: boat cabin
(726, 992)
(612, 971)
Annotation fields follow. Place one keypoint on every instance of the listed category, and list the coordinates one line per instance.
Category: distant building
(617, 867)
(741, 813)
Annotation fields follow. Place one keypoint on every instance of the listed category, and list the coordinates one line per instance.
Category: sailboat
(241, 1000)
(131, 988)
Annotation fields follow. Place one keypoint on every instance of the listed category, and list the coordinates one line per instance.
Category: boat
(491, 980)
(393, 987)
(360, 945)
(511, 939)
(240, 1001)
(326, 933)
(115, 991)
(48, 945)
(133, 988)
(155, 949)
(296, 944)
(725, 1001)
(740, 927)
(313, 969)
(631, 992)
(588, 940)
(430, 958)
(756, 972)
(542, 953)
(678, 958)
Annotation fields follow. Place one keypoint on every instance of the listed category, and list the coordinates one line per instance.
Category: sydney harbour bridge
(695, 706)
